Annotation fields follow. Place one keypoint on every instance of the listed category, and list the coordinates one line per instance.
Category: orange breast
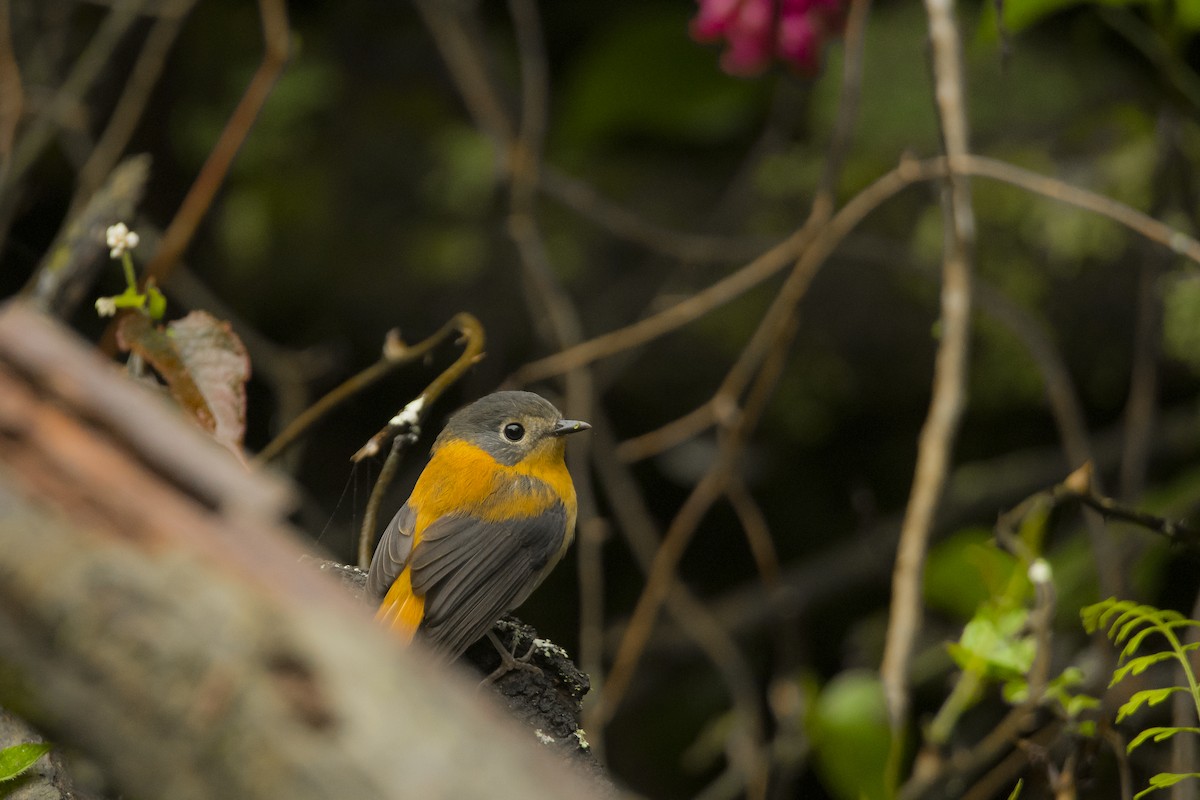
(463, 479)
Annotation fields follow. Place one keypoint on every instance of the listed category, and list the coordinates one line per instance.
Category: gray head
(510, 426)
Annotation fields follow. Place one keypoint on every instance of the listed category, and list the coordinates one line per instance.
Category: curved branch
(402, 429)
(909, 171)
(195, 204)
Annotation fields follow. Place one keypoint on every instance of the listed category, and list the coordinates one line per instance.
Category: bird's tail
(401, 610)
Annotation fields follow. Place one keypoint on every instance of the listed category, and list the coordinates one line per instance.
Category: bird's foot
(509, 660)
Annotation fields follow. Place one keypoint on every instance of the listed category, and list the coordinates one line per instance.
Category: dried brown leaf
(204, 364)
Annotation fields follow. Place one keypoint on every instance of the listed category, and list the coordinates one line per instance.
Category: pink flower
(758, 30)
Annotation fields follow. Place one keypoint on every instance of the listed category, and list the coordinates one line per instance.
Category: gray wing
(472, 571)
(392, 552)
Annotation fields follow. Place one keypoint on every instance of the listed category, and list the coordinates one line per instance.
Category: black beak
(565, 426)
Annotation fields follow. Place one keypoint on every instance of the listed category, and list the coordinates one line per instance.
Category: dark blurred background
(366, 198)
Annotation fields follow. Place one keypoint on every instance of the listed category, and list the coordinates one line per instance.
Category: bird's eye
(514, 431)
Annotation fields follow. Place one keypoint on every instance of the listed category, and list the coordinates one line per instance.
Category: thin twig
(979, 166)
(1177, 531)
(645, 330)
(178, 235)
(391, 465)
(638, 527)
(720, 408)
(749, 754)
(38, 133)
(1139, 412)
(884, 188)
(710, 487)
(772, 336)
(862, 558)
(756, 530)
(969, 761)
(849, 91)
(403, 429)
(132, 103)
(1068, 416)
(998, 781)
(1141, 405)
(288, 373)
(83, 74)
(936, 441)
(622, 223)
(471, 336)
(1168, 65)
(673, 433)
(457, 44)
(548, 300)
(395, 354)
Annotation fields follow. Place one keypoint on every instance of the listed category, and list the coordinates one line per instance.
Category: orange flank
(401, 610)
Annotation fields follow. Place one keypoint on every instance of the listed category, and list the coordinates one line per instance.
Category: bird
(490, 516)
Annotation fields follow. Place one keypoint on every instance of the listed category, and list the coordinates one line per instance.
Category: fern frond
(1096, 616)
(1146, 697)
(1128, 624)
(1136, 666)
(1158, 734)
(1164, 780)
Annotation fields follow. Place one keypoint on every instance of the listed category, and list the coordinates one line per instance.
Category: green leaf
(1146, 697)
(19, 757)
(992, 642)
(1078, 703)
(156, 304)
(1020, 14)
(1158, 734)
(1136, 666)
(1094, 616)
(1165, 779)
(965, 570)
(1016, 792)
(1015, 691)
(130, 298)
(1071, 676)
(851, 738)
(1187, 16)
(1072, 704)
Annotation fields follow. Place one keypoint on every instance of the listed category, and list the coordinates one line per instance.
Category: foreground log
(154, 615)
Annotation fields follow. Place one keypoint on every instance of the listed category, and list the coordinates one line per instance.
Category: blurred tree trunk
(154, 614)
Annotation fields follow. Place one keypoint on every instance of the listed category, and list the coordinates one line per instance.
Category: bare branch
(936, 443)
(178, 235)
(401, 429)
(132, 103)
